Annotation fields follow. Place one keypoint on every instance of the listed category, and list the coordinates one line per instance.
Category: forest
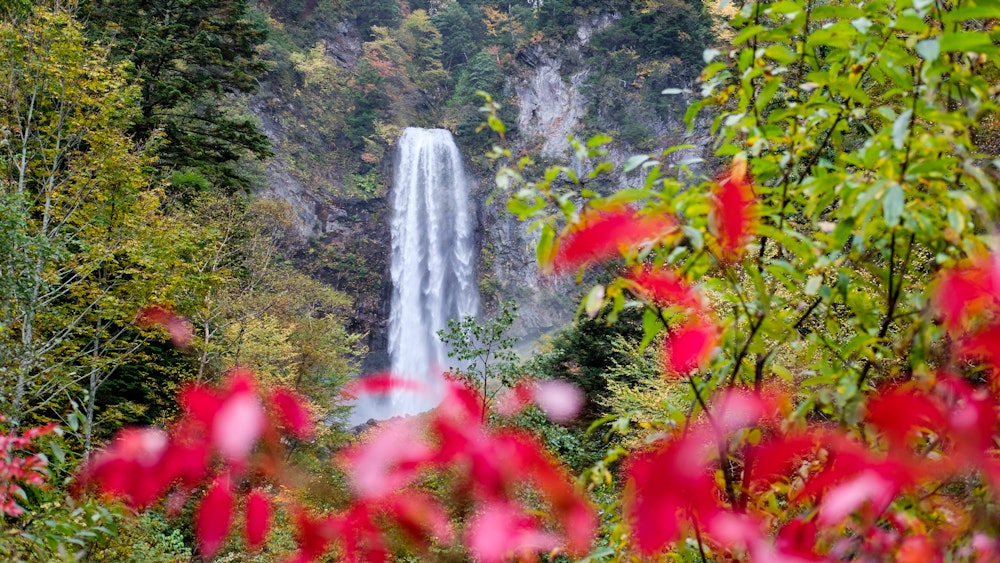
(778, 220)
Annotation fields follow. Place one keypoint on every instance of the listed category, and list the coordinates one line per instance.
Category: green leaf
(892, 205)
(652, 324)
(595, 301)
(58, 452)
(990, 11)
(496, 125)
(545, 249)
(626, 196)
(899, 129)
(966, 41)
(634, 162)
(782, 372)
(598, 140)
(929, 49)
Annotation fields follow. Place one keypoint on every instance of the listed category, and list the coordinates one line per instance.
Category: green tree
(459, 33)
(485, 351)
(71, 197)
(188, 58)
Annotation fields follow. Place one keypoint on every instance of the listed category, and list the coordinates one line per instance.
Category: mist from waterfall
(433, 267)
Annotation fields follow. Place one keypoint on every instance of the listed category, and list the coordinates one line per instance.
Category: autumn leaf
(602, 235)
(179, 328)
(689, 347)
(258, 519)
(213, 517)
(665, 287)
(733, 212)
(293, 413)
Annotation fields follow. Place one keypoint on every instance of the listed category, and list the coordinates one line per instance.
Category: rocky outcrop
(550, 107)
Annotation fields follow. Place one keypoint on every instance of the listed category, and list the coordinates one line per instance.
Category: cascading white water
(433, 266)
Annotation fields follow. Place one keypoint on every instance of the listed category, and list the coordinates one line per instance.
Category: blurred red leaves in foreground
(233, 436)
(223, 435)
(20, 466)
(738, 476)
(381, 384)
(490, 466)
(559, 400)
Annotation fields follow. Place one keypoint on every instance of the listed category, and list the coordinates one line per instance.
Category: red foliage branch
(234, 434)
(927, 434)
(20, 467)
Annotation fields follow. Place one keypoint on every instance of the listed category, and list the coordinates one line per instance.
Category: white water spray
(433, 266)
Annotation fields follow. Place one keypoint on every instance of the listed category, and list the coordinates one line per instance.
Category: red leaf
(689, 347)
(293, 413)
(314, 535)
(214, 516)
(734, 212)
(501, 530)
(237, 426)
(200, 403)
(737, 409)
(380, 384)
(258, 519)
(559, 400)
(667, 485)
(131, 468)
(854, 478)
(966, 290)
(514, 400)
(603, 235)
(179, 329)
(526, 460)
(363, 541)
(983, 344)
(899, 412)
(776, 458)
(798, 538)
(871, 488)
(387, 461)
(420, 516)
(666, 288)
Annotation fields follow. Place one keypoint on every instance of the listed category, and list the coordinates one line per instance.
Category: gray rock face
(550, 107)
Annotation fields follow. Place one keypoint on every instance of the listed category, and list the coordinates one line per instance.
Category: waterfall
(433, 265)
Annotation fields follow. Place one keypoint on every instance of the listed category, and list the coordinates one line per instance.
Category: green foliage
(859, 126)
(459, 29)
(587, 351)
(149, 538)
(376, 13)
(577, 449)
(187, 60)
(484, 350)
(661, 29)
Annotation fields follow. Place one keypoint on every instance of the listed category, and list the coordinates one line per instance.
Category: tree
(485, 352)
(458, 34)
(188, 57)
(72, 186)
